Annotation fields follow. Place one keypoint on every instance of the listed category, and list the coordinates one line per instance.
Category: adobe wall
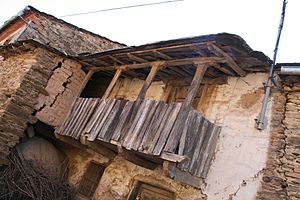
(26, 95)
(241, 157)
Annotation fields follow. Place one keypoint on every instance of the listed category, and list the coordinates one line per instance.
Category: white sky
(254, 20)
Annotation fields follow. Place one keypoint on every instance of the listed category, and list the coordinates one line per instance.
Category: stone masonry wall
(22, 80)
(281, 178)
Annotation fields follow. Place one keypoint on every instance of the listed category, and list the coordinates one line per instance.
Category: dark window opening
(145, 191)
(97, 85)
(90, 179)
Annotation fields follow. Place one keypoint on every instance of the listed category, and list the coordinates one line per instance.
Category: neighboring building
(168, 120)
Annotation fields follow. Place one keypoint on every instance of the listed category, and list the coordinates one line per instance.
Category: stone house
(168, 120)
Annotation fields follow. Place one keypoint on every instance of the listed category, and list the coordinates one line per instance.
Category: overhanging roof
(227, 54)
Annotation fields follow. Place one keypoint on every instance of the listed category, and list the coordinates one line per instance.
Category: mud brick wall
(22, 79)
(62, 88)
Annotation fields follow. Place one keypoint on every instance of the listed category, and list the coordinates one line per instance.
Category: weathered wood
(184, 133)
(136, 58)
(174, 62)
(194, 164)
(138, 160)
(211, 152)
(92, 122)
(112, 83)
(101, 149)
(109, 120)
(129, 136)
(154, 125)
(219, 52)
(116, 60)
(103, 118)
(136, 131)
(112, 127)
(123, 119)
(199, 74)
(162, 55)
(184, 177)
(222, 69)
(174, 157)
(167, 127)
(146, 123)
(161, 124)
(147, 83)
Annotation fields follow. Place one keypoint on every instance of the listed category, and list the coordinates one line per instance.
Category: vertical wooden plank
(112, 83)
(182, 117)
(122, 122)
(167, 129)
(184, 133)
(145, 125)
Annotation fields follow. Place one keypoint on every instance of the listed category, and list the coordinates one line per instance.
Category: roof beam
(219, 52)
(175, 62)
(162, 55)
(222, 69)
(116, 60)
(136, 58)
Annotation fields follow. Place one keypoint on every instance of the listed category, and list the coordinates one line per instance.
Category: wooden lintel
(101, 149)
(162, 55)
(173, 157)
(229, 60)
(112, 83)
(116, 60)
(136, 58)
(174, 62)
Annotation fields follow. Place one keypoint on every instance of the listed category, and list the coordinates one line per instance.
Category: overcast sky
(254, 20)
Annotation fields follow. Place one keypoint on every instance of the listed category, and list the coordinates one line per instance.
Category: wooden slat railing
(145, 126)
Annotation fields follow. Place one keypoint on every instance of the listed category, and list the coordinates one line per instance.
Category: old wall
(281, 178)
(242, 150)
(22, 79)
(62, 88)
(62, 36)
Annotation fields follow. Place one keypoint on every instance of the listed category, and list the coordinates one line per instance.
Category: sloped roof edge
(30, 8)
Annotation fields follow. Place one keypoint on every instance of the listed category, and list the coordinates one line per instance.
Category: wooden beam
(101, 62)
(136, 58)
(147, 83)
(219, 52)
(162, 55)
(222, 69)
(116, 60)
(174, 157)
(112, 83)
(174, 62)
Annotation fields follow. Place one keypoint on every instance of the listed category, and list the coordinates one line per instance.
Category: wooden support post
(112, 83)
(150, 77)
(185, 109)
(200, 71)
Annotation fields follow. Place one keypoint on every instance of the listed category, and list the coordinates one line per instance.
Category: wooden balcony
(168, 131)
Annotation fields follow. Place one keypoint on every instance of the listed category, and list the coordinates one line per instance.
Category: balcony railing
(146, 126)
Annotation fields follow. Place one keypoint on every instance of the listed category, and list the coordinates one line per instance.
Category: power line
(119, 8)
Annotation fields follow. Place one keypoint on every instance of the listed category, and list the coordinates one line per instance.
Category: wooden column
(185, 109)
(200, 71)
(112, 83)
(150, 77)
